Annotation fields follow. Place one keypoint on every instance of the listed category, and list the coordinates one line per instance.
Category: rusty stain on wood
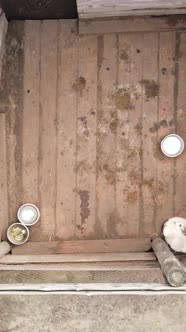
(85, 211)
(151, 88)
(79, 85)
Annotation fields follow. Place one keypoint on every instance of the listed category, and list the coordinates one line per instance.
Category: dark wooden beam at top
(39, 9)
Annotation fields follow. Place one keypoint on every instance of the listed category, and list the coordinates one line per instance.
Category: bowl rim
(181, 149)
(12, 241)
(35, 207)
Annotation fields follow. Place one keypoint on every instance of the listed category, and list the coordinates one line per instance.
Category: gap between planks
(83, 247)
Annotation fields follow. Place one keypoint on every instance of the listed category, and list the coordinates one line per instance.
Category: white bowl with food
(17, 233)
(172, 145)
(28, 214)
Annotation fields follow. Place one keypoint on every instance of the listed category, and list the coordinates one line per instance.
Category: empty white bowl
(17, 233)
(172, 145)
(28, 214)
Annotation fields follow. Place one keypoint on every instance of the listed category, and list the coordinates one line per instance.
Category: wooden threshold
(133, 24)
(83, 247)
(75, 258)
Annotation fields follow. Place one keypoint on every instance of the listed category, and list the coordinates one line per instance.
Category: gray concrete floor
(107, 313)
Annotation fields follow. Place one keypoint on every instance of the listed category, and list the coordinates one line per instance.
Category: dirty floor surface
(85, 115)
(74, 313)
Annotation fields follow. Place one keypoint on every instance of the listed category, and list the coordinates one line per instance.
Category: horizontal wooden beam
(133, 24)
(83, 247)
(75, 258)
(84, 266)
(110, 8)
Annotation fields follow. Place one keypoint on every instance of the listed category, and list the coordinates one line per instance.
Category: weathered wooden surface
(66, 121)
(133, 24)
(12, 98)
(3, 31)
(85, 117)
(3, 180)
(72, 258)
(111, 8)
(180, 121)
(173, 270)
(83, 247)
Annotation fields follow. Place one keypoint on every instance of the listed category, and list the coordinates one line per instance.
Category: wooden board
(150, 92)
(104, 257)
(86, 138)
(122, 133)
(84, 122)
(3, 31)
(133, 24)
(14, 110)
(31, 115)
(3, 181)
(106, 218)
(109, 8)
(66, 122)
(165, 207)
(180, 118)
(48, 124)
(83, 247)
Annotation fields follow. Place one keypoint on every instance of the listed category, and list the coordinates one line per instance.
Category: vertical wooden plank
(66, 131)
(14, 58)
(106, 140)
(124, 73)
(3, 181)
(150, 108)
(180, 118)
(30, 166)
(47, 153)
(3, 32)
(129, 132)
(86, 137)
(164, 126)
(133, 199)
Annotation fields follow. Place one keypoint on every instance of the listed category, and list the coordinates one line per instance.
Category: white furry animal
(174, 230)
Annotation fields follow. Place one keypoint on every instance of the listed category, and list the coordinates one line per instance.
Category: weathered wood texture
(171, 267)
(75, 258)
(85, 117)
(3, 180)
(3, 31)
(111, 8)
(133, 24)
(84, 247)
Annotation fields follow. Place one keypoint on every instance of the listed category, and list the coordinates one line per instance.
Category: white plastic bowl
(28, 214)
(11, 238)
(172, 145)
